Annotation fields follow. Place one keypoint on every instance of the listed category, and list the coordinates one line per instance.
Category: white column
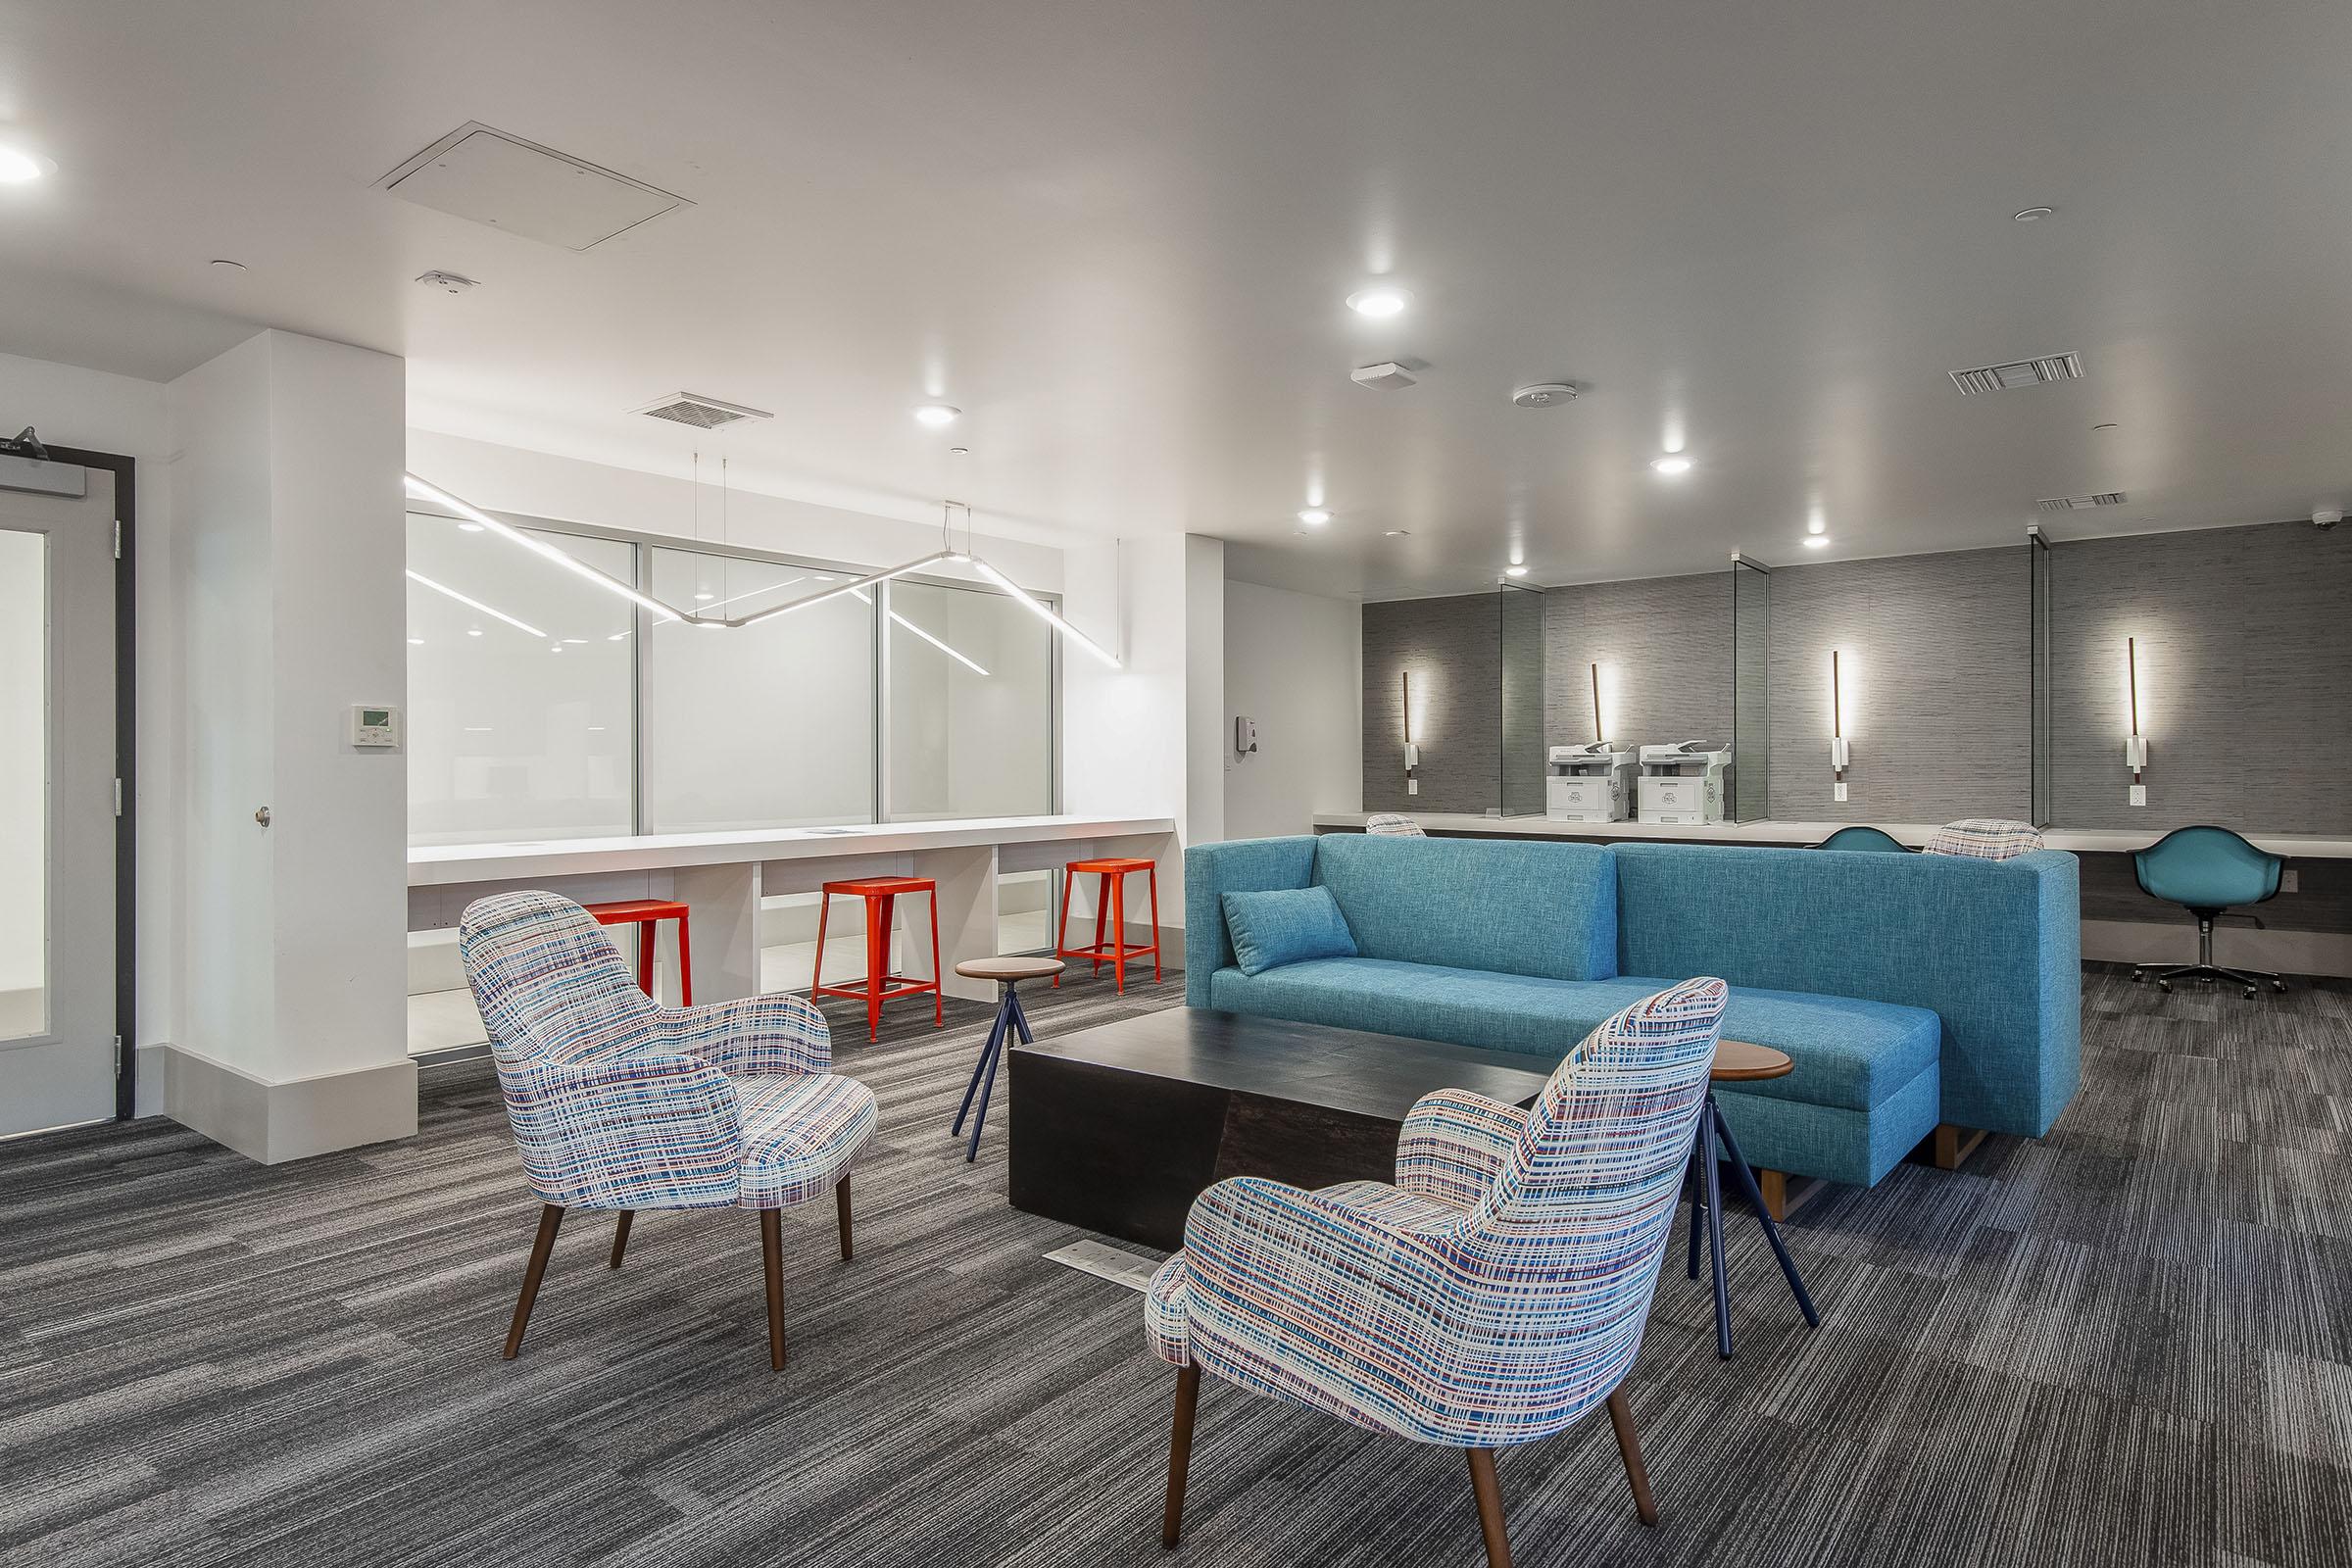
(724, 910)
(967, 917)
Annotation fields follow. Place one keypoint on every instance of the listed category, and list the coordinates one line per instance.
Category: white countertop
(2080, 840)
(444, 865)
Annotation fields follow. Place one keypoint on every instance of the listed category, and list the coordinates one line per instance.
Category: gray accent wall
(1933, 657)
(1452, 649)
(2244, 636)
(2245, 677)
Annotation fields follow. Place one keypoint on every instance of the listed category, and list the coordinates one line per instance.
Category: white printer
(1683, 782)
(1590, 783)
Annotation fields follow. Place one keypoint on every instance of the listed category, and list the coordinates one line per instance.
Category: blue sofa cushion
(1511, 907)
(1848, 1055)
(1285, 925)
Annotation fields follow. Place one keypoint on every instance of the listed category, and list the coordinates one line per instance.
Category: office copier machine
(1682, 783)
(1590, 783)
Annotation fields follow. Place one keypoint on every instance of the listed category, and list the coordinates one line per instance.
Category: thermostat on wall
(377, 727)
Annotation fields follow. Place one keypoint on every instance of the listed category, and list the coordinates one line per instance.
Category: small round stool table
(1736, 1062)
(1008, 972)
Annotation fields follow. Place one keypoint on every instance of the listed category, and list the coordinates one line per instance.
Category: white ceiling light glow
(469, 512)
(1315, 517)
(1672, 464)
(936, 414)
(442, 588)
(1380, 300)
(1058, 624)
(1514, 571)
(1817, 541)
(19, 166)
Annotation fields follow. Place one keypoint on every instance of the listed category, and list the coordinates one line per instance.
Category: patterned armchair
(619, 1104)
(1492, 1296)
(1984, 838)
(1393, 824)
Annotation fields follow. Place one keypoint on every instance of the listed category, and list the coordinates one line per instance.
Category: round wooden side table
(1736, 1062)
(1008, 972)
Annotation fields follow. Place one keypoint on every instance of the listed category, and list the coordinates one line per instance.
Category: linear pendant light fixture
(424, 491)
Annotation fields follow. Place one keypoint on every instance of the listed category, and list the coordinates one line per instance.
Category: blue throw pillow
(1286, 925)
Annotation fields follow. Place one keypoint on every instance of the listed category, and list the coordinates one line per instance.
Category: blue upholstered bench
(1917, 994)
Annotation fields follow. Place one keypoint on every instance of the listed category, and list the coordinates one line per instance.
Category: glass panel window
(767, 725)
(971, 703)
(519, 675)
(24, 784)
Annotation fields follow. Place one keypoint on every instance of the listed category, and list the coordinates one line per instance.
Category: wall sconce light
(1412, 744)
(1841, 755)
(2136, 745)
(1599, 736)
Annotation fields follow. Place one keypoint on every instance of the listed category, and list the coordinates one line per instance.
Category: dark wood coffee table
(1118, 1128)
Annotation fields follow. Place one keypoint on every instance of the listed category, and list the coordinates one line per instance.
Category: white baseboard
(277, 1122)
(2235, 946)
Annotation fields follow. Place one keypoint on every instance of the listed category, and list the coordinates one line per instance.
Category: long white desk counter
(721, 877)
(2081, 841)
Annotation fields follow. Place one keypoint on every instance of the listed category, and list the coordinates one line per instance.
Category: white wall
(1294, 663)
(120, 414)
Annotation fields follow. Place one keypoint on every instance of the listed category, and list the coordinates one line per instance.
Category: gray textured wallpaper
(2245, 669)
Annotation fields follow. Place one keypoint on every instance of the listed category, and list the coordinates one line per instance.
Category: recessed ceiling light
(1514, 571)
(936, 414)
(1381, 298)
(2109, 427)
(960, 452)
(469, 527)
(1315, 517)
(2033, 214)
(415, 642)
(575, 639)
(474, 631)
(704, 598)
(17, 165)
(222, 264)
(1673, 462)
(1817, 541)
(1396, 533)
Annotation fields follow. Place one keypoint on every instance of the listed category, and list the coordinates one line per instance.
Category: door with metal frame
(57, 806)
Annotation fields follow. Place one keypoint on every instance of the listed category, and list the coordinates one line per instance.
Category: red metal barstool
(647, 915)
(1110, 903)
(881, 895)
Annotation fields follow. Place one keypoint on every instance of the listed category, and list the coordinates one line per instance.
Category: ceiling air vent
(2105, 498)
(703, 414)
(2021, 372)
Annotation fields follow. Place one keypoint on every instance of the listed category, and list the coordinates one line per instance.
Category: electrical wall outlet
(1412, 786)
(1838, 791)
(2290, 880)
(2139, 795)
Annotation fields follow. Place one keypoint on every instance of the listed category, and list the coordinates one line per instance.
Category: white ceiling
(1118, 236)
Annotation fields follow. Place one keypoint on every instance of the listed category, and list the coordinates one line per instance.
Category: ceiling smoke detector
(2105, 498)
(703, 414)
(446, 282)
(2020, 372)
(1544, 394)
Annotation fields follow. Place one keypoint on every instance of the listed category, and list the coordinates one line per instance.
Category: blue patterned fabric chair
(1984, 838)
(1492, 1296)
(619, 1104)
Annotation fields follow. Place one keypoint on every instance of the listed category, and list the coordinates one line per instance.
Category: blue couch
(1911, 990)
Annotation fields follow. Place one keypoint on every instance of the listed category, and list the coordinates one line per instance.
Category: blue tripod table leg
(1772, 1233)
(984, 1077)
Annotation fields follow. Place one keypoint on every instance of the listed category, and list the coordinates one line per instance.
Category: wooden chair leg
(1489, 1492)
(1629, 1448)
(621, 1235)
(841, 1214)
(771, 1247)
(1179, 1455)
(551, 1215)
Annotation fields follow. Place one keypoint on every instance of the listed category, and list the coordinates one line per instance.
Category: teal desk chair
(2207, 870)
(1864, 838)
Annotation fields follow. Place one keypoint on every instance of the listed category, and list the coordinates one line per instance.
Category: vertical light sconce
(2136, 745)
(1600, 734)
(1413, 746)
(1841, 754)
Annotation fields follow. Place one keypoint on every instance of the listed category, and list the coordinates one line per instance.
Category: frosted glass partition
(767, 725)
(971, 703)
(24, 784)
(1751, 691)
(1519, 630)
(520, 708)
